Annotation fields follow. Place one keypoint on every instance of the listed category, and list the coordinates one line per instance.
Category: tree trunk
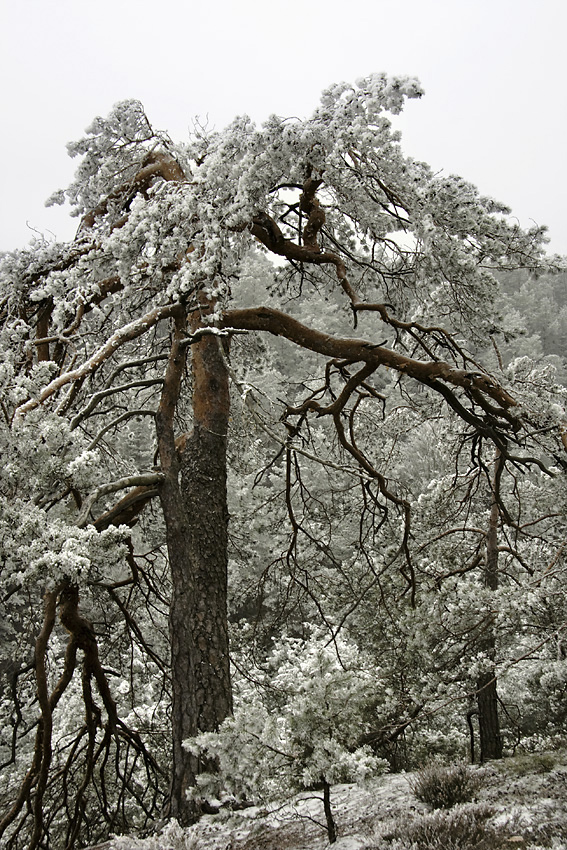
(196, 517)
(486, 686)
(203, 485)
(488, 722)
(184, 711)
(329, 819)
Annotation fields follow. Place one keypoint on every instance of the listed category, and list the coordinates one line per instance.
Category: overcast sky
(494, 72)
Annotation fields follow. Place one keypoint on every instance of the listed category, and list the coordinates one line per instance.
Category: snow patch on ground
(526, 798)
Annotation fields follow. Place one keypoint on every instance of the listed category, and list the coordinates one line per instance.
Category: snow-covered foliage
(298, 722)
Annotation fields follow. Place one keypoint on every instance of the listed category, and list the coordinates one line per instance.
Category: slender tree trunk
(329, 819)
(194, 502)
(486, 686)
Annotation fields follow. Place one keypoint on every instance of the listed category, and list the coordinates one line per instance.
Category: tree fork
(204, 488)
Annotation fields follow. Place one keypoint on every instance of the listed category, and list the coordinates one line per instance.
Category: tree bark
(194, 503)
(203, 486)
(329, 819)
(183, 711)
(488, 721)
(486, 686)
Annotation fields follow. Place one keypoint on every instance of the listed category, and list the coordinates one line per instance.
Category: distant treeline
(534, 315)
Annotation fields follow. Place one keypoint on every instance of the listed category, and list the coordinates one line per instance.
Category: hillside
(520, 803)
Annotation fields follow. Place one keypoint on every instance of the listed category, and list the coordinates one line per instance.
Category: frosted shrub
(171, 837)
(443, 786)
(300, 732)
(463, 829)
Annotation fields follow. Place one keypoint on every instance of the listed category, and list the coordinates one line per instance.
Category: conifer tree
(121, 355)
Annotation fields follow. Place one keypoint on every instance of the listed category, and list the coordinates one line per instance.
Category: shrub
(462, 829)
(443, 786)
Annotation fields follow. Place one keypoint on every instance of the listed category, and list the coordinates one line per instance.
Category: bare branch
(127, 415)
(360, 350)
(94, 400)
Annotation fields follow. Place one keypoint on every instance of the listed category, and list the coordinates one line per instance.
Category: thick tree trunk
(486, 686)
(196, 516)
(488, 722)
(184, 710)
(203, 485)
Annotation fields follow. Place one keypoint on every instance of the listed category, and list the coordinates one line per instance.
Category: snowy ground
(522, 803)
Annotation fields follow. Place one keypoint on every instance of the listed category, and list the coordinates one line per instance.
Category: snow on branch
(125, 334)
(147, 479)
(191, 339)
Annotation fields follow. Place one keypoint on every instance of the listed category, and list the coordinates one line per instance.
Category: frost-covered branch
(125, 334)
(148, 479)
(210, 330)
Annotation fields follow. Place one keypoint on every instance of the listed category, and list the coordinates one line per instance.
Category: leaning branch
(359, 350)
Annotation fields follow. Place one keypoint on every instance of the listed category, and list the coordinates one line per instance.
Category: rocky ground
(520, 802)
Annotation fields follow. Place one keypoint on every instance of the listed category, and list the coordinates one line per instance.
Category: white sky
(494, 73)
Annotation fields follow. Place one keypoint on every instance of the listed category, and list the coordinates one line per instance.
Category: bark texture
(194, 502)
(488, 721)
(203, 483)
(203, 486)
